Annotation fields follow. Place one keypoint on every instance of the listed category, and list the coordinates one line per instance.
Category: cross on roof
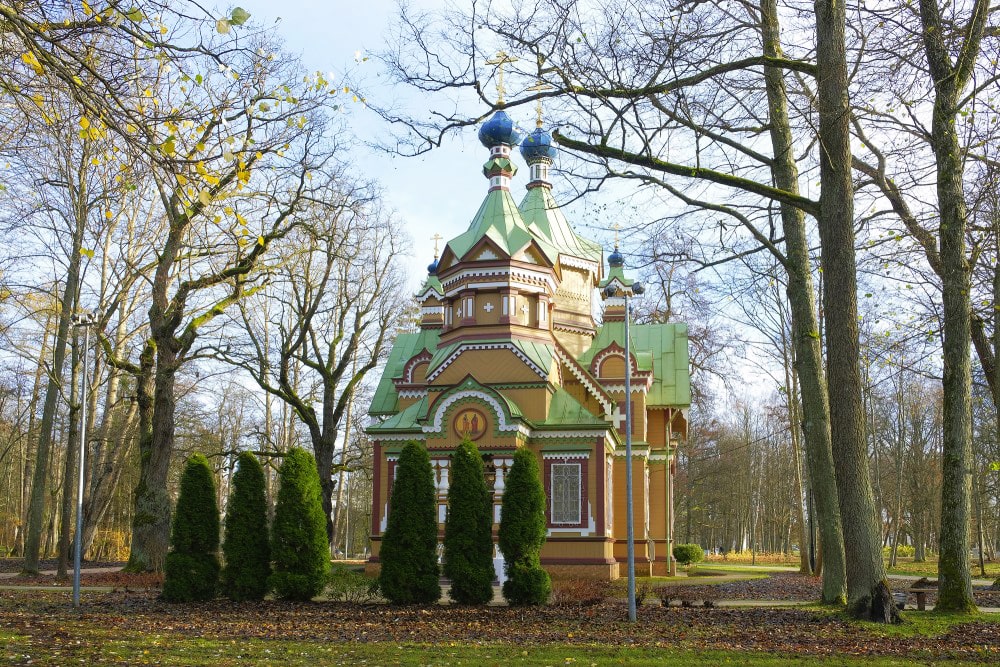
(616, 227)
(500, 59)
(436, 238)
(537, 88)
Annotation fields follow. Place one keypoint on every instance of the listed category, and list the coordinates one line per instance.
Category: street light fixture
(85, 319)
(612, 291)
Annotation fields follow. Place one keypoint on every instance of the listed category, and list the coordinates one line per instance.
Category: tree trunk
(151, 521)
(69, 469)
(866, 582)
(36, 503)
(805, 328)
(950, 79)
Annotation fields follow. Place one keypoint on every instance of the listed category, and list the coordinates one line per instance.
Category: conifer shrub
(191, 569)
(409, 573)
(468, 530)
(686, 554)
(522, 533)
(298, 537)
(246, 548)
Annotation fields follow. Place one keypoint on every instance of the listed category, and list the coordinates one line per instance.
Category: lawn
(129, 628)
(138, 649)
(929, 568)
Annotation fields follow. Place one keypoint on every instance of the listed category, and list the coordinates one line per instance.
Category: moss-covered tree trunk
(950, 79)
(804, 325)
(151, 520)
(868, 595)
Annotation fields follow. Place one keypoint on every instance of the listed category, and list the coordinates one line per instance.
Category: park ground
(760, 616)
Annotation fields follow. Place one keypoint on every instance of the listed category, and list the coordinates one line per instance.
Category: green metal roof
(499, 220)
(668, 346)
(564, 410)
(660, 347)
(615, 272)
(431, 283)
(407, 346)
(543, 216)
(405, 421)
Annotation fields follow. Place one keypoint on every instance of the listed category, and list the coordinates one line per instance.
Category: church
(508, 354)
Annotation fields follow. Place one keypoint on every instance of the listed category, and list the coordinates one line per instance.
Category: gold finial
(436, 238)
(537, 88)
(616, 227)
(500, 59)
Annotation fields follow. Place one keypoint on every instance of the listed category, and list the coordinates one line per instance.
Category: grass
(138, 649)
(929, 568)
(925, 624)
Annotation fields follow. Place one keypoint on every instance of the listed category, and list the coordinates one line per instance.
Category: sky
(436, 193)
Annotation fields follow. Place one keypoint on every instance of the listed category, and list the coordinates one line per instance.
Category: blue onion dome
(498, 130)
(616, 259)
(538, 145)
(432, 267)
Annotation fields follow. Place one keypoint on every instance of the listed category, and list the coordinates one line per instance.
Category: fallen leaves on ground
(47, 618)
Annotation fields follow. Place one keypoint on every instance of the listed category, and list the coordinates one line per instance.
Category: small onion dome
(432, 267)
(616, 259)
(499, 130)
(538, 145)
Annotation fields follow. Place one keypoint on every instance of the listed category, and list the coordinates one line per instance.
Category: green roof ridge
(499, 220)
(545, 218)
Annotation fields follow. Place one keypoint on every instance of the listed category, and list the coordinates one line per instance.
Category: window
(565, 487)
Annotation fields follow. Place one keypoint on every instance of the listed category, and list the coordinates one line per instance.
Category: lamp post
(613, 291)
(86, 319)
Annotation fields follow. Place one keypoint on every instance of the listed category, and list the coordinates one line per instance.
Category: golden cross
(537, 88)
(616, 227)
(500, 59)
(436, 238)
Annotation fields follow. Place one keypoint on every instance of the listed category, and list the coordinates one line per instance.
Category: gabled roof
(499, 220)
(662, 348)
(536, 353)
(543, 216)
(407, 346)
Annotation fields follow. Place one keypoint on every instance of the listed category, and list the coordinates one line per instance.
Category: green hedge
(409, 573)
(298, 538)
(191, 569)
(468, 531)
(246, 549)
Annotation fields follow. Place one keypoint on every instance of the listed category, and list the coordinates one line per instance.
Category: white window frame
(561, 521)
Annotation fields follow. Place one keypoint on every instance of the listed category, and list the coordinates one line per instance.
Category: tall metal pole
(85, 320)
(628, 466)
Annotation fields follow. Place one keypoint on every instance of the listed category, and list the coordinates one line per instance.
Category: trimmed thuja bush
(468, 531)
(408, 555)
(298, 538)
(191, 569)
(686, 554)
(522, 533)
(246, 548)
